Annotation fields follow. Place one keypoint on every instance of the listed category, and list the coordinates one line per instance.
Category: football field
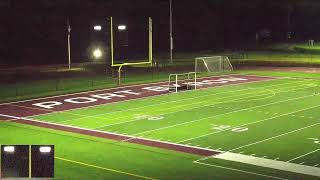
(271, 124)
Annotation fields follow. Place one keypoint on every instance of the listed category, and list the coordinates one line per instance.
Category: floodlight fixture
(97, 28)
(97, 53)
(45, 149)
(9, 149)
(122, 27)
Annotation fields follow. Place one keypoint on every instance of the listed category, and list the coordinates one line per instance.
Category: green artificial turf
(83, 157)
(245, 118)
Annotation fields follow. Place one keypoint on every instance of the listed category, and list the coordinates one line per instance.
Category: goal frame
(176, 86)
(222, 58)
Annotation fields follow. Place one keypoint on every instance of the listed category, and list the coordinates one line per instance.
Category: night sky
(35, 31)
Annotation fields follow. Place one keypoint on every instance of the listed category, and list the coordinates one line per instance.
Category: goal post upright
(147, 61)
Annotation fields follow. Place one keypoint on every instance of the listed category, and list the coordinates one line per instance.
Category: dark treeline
(35, 31)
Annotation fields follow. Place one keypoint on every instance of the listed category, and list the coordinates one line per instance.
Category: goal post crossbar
(188, 79)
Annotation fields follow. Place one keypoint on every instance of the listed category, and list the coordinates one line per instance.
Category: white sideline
(111, 133)
(269, 163)
(239, 170)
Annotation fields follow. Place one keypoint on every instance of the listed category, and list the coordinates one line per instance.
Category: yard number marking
(147, 117)
(315, 140)
(227, 127)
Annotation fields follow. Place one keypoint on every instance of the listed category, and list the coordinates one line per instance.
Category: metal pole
(69, 48)
(171, 36)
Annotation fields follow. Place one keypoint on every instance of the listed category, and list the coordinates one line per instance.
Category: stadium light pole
(171, 36)
(69, 47)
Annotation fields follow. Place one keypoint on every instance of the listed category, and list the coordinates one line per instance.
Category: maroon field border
(19, 111)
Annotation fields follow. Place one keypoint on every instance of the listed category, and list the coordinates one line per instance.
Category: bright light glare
(122, 27)
(97, 28)
(9, 149)
(45, 149)
(97, 53)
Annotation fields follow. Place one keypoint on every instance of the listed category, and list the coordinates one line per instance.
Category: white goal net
(213, 64)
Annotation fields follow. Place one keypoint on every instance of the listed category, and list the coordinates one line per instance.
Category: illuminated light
(122, 27)
(8, 149)
(97, 28)
(97, 53)
(45, 149)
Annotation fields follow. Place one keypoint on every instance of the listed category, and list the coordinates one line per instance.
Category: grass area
(294, 54)
(245, 119)
(84, 157)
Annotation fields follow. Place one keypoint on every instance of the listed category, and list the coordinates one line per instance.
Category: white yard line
(188, 104)
(179, 124)
(243, 83)
(254, 122)
(182, 109)
(264, 140)
(274, 137)
(167, 102)
(303, 155)
(239, 170)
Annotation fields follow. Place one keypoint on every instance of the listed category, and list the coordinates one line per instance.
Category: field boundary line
(303, 155)
(117, 137)
(164, 94)
(270, 163)
(103, 168)
(213, 116)
(121, 87)
(239, 170)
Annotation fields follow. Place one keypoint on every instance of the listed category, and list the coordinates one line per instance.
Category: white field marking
(163, 114)
(140, 107)
(202, 89)
(239, 170)
(111, 133)
(179, 124)
(303, 163)
(276, 158)
(267, 139)
(199, 102)
(274, 137)
(304, 155)
(101, 127)
(254, 122)
(167, 102)
(269, 163)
